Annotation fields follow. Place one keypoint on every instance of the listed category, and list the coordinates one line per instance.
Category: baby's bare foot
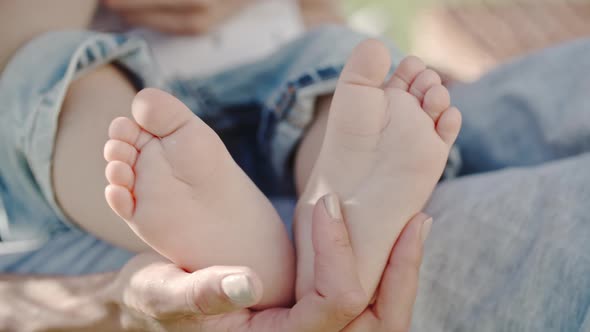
(385, 148)
(176, 185)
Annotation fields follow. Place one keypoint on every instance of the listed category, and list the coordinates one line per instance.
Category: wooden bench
(469, 39)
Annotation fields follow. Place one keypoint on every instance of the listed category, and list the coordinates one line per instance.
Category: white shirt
(253, 33)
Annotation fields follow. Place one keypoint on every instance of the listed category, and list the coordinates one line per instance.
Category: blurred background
(478, 34)
(460, 38)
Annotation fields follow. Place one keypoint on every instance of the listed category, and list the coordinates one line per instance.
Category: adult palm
(337, 303)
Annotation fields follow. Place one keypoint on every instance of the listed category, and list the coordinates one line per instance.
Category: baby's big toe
(368, 65)
(359, 107)
(159, 113)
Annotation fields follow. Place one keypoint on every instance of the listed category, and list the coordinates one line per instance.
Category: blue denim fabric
(32, 88)
(510, 247)
(260, 110)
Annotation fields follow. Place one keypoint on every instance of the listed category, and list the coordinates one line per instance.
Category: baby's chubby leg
(91, 102)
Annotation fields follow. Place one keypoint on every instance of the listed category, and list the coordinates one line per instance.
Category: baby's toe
(448, 125)
(120, 200)
(405, 73)
(128, 131)
(423, 82)
(368, 65)
(124, 129)
(115, 150)
(436, 101)
(120, 174)
(359, 107)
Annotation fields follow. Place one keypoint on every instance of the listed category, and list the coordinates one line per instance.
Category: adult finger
(399, 285)
(161, 290)
(338, 297)
(334, 257)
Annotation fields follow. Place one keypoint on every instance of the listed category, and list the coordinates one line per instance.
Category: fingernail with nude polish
(239, 289)
(425, 230)
(332, 204)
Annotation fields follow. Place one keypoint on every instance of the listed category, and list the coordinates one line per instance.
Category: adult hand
(157, 296)
(394, 302)
(392, 310)
(176, 16)
(153, 294)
